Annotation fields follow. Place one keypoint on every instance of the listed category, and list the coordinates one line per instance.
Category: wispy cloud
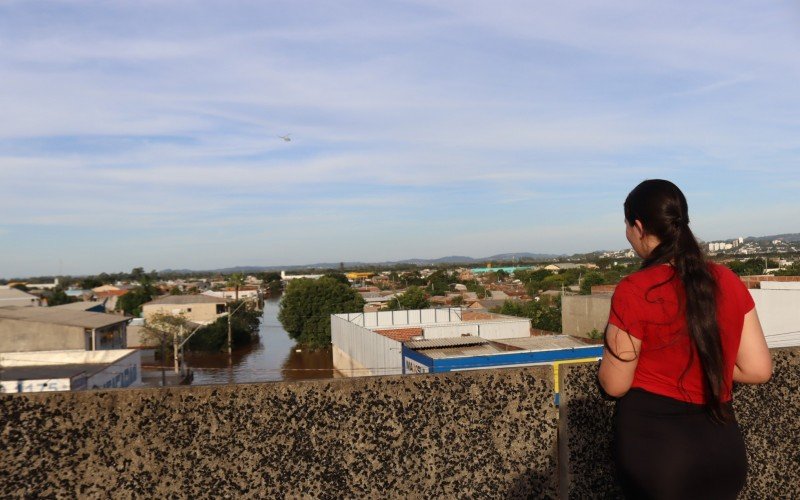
(162, 119)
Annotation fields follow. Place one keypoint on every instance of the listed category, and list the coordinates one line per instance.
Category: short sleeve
(734, 286)
(625, 313)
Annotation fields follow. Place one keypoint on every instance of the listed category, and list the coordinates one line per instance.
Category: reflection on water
(273, 358)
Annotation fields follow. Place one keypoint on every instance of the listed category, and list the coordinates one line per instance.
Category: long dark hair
(662, 210)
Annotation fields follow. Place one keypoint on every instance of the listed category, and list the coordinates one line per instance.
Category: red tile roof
(111, 293)
(401, 334)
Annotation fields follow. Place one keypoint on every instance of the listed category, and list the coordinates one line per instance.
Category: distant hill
(450, 259)
(788, 237)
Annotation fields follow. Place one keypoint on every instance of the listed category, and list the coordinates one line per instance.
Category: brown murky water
(274, 358)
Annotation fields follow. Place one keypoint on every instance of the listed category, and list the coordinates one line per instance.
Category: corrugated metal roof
(466, 340)
(470, 350)
(543, 342)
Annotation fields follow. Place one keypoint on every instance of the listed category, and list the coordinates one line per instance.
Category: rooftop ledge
(487, 433)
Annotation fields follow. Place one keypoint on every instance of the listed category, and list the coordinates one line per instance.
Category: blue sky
(144, 133)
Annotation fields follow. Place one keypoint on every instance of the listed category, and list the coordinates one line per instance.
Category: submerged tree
(307, 305)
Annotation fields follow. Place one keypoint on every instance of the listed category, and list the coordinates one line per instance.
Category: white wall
(409, 317)
(43, 385)
(779, 312)
(780, 285)
(380, 355)
(46, 358)
(125, 372)
(487, 330)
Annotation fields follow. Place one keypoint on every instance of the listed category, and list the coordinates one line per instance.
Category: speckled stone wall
(481, 434)
(768, 414)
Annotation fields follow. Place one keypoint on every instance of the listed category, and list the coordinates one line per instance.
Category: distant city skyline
(154, 134)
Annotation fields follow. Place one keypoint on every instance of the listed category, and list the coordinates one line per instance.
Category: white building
(371, 343)
(289, 277)
(74, 370)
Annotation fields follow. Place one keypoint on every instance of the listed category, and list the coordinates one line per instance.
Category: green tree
(21, 287)
(163, 330)
(793, 270)
(270, 276)
(137, 273)
(307, 305)
(58, 296)
(175, 290)
(543, 316)
(90, 282)
(749, 267)
(413, 298)
(589, 281)
(341, 278)
(439, 282)
(214, 337)
(131, 302)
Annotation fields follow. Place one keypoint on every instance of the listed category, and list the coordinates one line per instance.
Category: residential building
(200, 309)
(52, 329)
(89, 306)
(15, 297)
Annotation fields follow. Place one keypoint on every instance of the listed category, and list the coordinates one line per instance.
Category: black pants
(669, 449)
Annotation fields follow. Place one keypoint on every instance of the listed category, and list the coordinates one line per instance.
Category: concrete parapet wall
(487, 434)
(769, 416)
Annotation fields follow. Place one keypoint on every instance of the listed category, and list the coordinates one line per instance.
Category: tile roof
(400, 334)
(186, 299)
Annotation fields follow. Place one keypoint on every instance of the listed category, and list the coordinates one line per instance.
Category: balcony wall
(477, 434)
(487, 434)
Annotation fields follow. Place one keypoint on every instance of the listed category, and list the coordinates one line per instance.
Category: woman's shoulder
(722, 273)
(647, 277)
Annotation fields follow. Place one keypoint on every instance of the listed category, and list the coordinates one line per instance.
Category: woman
(680, 332)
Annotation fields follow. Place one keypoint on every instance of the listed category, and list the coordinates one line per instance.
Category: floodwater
(275, 357)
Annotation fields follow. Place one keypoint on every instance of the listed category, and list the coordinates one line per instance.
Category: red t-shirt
(656, 316)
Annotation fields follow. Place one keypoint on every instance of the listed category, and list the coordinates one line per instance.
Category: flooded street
(273, 358)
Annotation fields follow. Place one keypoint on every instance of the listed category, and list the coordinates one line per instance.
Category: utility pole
(230, 333)
(175, 349)
(163, 355)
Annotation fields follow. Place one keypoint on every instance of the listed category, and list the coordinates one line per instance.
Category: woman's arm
(616, 372)
(753, 361)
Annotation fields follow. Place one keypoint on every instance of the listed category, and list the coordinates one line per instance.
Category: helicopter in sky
(285, 138)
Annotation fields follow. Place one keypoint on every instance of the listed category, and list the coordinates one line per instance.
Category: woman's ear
(638, 228)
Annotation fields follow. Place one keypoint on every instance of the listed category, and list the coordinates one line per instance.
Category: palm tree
(236, 280)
